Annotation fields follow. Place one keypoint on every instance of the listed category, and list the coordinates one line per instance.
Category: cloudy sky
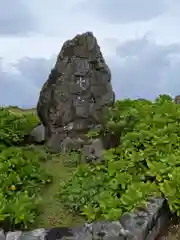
(140, 41)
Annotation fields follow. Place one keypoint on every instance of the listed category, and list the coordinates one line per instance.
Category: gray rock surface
(73, 98)
(177, 99)
(38, 134)
(144, 224)
(147, 224)
(2, 235)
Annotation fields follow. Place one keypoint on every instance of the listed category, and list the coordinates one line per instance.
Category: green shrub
(21, 173)
(14, 127)
(146, 162)
(21, 177)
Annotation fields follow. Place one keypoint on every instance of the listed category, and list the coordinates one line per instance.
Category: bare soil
(173, 232)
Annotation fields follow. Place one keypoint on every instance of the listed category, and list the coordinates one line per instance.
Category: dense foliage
(21, 171)
(14, 127)
(145, 163)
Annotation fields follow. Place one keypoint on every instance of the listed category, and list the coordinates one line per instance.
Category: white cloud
(15, 18)
(139, 39)
(124, 11)
(22, 87)
(144, 69)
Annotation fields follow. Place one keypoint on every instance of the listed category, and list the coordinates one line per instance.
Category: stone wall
(144, 224)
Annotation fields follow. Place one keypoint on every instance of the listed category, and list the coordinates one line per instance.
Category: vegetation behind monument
(145, 163)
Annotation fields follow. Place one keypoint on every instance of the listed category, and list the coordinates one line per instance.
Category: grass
(17, 110)
(52, 212)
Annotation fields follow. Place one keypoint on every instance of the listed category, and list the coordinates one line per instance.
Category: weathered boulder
(73, 98)
(37, 135)
(177, 99)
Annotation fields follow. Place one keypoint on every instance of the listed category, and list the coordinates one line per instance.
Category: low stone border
(144, 224)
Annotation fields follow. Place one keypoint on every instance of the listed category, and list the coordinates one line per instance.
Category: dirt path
(53, 214)
(173, 232)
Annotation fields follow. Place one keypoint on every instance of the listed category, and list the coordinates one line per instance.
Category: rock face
(37, 134)
(177, 99)
(72, 100)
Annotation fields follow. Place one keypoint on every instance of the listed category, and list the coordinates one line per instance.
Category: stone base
(91, 150)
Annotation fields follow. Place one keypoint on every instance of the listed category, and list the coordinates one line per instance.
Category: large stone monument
(177, 99)
(73, 98)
